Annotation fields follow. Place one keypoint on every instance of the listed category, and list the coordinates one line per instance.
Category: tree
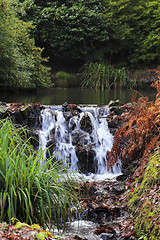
(69, 30)
(20, 60)
(133, 30)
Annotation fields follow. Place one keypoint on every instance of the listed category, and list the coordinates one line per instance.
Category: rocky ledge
(23, 114)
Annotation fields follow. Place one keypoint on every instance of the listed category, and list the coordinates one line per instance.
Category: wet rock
(112, 122)
(51, 145)
(34, 140)
(107, 236)
(118, 188)
(3, 108)
(75, 137)
(105, 229)
(72, 123)
(113, 103)
(118, 110)
(79, 238)
(70, 110)
(86, 124)
(23, 114)
(67, 115)
(66, 107)
(79, 137)
(122, 177)
(86, 161)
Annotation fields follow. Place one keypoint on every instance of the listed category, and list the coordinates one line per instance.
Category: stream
(78, 135)
(81, 136)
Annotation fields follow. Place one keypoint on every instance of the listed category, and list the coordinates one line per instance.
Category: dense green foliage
(20, 60)
(69, 30)
(133, 30)
(73, 33)
(101, 75)
(30, 190)
(123, 32)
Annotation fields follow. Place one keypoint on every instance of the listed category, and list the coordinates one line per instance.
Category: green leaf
(42, 235)
(20, 225)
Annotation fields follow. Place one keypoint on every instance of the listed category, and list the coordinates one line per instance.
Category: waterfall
(79, 136)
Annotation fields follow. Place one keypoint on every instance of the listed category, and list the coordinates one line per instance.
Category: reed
(103, 76)
(30, 191)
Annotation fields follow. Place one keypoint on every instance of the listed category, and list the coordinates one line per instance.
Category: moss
(144, 200)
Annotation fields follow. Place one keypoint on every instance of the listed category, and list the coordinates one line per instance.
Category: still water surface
(57, 96)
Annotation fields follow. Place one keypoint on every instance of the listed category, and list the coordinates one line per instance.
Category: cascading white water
(70, 137)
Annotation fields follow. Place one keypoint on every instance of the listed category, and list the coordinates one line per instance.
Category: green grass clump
(31, 191)
(103, 76)
(144, 201)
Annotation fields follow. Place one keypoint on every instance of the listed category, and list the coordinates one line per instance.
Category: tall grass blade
(31, 192)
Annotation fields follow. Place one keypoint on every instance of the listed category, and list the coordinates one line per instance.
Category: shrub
(29, 190)
(64, 80)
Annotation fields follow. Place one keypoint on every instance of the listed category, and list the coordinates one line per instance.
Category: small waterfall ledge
(79, 136)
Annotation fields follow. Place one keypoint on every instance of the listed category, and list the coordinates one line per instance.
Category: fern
(140, 133)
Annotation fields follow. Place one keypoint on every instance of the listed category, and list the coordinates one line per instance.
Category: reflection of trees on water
(57, 96)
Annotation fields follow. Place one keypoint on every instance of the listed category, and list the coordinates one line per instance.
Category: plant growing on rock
(144, 201)
(134, 142)
(140, 134)
(31, 191)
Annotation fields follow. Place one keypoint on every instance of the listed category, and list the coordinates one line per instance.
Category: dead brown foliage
(140, 134)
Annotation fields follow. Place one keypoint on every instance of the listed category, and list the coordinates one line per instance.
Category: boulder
(118, 188)
(107, 236)
(70, 110)
(79, 138)
(51, 145)
(85, 155)
(86, 123)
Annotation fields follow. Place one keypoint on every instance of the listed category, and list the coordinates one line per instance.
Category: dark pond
(57, 96)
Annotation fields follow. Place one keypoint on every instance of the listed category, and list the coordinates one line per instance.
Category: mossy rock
(144, 201)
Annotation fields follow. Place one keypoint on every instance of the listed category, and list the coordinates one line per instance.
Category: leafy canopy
(69, 30)
(134, 30)
(20, 60)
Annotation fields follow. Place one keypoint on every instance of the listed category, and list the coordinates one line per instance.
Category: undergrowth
(31, 191)
(144, 200)
(140, 133)
(134, 143)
